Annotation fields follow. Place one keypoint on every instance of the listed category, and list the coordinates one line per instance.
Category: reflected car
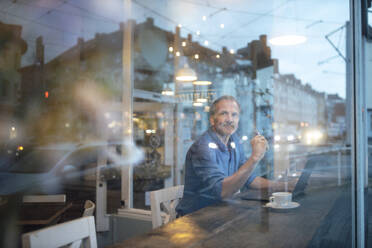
(286, 138)
(313, 136)
(48, 169)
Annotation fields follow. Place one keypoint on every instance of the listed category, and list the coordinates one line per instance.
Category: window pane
(368, 77)
(136, 81)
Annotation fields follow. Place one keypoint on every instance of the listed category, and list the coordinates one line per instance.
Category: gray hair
(213, 107)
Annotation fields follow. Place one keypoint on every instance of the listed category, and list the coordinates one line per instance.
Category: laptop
(298, 192)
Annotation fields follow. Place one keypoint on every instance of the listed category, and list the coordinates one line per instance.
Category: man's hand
(259, 147)
(292, 184)
(233, 183)
(283, 186)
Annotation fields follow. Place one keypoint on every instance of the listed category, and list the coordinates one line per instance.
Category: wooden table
(42, 213)
(322, 220)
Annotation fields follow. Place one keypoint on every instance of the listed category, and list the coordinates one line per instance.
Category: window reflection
(61, 81)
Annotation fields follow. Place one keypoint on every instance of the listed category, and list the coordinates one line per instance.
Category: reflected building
(63, 115)
(297, 105)
(259, 89)
(336, 117)
(12, 47)
(250, 75)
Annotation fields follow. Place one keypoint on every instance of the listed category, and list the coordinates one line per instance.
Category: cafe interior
(101, 101)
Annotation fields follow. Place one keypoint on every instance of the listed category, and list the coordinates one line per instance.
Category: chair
(163, 203)
(76, 233)
(89, 207)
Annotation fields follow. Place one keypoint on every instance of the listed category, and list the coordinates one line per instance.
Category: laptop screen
(299, 190)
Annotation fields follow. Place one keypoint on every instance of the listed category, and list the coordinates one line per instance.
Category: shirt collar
(219, 143)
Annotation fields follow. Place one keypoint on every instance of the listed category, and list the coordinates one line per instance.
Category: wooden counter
(322, 220)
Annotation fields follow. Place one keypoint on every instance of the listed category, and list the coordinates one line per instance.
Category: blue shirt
(208, 162)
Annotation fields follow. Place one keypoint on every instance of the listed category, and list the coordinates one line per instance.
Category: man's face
(225, 120)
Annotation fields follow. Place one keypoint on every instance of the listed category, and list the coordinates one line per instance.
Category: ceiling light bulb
(186, 74)
(201, 100)
(198, 32)
(196, 56)
(217, 56)
(183, 43)
(170, 49)
(167, 92)
(202, 83)
(180, 25)
(204, 18)
(232, 51)
(178, 54)
(222, 25)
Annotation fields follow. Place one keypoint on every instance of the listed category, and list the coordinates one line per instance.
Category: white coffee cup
(281, 199)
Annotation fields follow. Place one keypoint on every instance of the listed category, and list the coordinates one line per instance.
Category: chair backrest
(164, 202)
(76, 233)
(89, 207)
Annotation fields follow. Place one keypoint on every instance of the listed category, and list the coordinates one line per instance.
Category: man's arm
(263, 183)
(233, 183)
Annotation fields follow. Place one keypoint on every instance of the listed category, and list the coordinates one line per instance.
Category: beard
(225, 128)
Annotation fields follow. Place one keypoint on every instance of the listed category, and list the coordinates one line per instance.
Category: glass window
(368, 89)
(137, 81)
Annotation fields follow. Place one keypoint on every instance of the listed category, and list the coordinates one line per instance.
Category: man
(216, 167)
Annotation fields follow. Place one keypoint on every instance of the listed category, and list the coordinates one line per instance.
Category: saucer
(289, 206)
